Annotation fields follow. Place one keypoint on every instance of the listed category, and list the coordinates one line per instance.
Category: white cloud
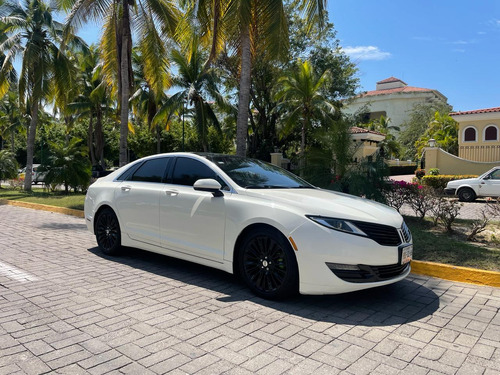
(366, 53)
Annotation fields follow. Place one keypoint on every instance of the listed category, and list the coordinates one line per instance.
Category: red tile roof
(406, 89)
(358, 130)
(390, 79)
(485, 110)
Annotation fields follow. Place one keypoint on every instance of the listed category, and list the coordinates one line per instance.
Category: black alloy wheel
(107, 232)
(268, 265)
(466, 195)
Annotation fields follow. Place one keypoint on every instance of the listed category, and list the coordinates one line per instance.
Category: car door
(490, 186)
(137, 200)
(192, 222)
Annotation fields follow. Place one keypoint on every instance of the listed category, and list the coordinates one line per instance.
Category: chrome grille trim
(404, 233)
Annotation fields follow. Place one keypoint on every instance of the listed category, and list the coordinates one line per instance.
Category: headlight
(337, 224)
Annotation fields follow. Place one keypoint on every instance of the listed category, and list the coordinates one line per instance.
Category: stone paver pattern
(65, 308)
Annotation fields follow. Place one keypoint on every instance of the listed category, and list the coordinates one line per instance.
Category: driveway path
(65, 308)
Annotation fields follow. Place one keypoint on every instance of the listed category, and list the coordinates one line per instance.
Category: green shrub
(419, 173)
(434, 172)
(439, 182)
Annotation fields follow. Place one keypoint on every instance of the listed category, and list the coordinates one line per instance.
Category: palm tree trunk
(158, 139)
(12, 147)
(99, 140)
(244, 95)
(30, 145)
(125, 82)
(90, 140)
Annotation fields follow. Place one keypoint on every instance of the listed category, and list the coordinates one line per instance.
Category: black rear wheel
(107, 232)
(268, 265)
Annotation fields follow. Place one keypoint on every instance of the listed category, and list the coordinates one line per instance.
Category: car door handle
(171, 193)
(126, 188)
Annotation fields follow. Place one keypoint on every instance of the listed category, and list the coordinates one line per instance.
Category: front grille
(405, 233)
(384, 235)
(369, 274)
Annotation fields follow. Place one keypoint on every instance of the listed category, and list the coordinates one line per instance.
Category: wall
(451, 164)
(480, 150)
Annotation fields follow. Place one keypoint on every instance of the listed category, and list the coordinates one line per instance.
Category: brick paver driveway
(65, 308)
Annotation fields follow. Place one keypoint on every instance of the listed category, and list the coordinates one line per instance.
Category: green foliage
(68, 165)
(8, 165)
(420, 117)
(434, 171)
(419, 173)
(440, 181)
(444, 130)
(368, 178)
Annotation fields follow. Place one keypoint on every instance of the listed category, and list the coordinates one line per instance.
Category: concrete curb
(43, 207)
(456, 273)
(439, 270)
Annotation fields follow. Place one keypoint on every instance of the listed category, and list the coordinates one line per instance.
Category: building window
(491, 133)
(470, 134)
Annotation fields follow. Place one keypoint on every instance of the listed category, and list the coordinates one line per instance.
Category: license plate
(406, 254)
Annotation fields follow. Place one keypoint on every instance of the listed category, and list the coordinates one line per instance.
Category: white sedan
(468, 189)
(244, 216)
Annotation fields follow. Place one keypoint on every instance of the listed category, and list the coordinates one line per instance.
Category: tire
(107, 232)
(466, 195)
(268, 265)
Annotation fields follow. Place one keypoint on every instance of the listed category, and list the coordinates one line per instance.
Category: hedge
(440, 181)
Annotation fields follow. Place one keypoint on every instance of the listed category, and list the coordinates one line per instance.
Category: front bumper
(319, 247)
(450, 191)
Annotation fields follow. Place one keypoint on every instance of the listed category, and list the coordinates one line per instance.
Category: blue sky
(450, 46)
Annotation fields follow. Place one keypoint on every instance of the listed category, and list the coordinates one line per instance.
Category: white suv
(486, 185)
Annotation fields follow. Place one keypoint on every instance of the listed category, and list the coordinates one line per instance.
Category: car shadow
(63, 226)
(402, 302)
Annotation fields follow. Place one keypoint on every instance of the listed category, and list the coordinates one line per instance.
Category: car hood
(332, 204)
(466, 181)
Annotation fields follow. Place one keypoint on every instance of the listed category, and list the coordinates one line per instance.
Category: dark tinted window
(187, 171)
(470, 135)
(256, 174)
(490, 134)
(151, 171)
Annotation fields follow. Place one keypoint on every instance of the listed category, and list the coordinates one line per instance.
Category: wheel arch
(102, 208)
(245, 232)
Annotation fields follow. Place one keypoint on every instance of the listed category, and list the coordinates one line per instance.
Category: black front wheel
(107, 232)
(466, 195)
(268, 265)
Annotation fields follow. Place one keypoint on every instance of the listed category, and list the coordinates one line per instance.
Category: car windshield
(256, 174)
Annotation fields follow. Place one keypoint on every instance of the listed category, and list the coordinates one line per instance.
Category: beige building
(393, 99)
(366, 142)
(478, 137)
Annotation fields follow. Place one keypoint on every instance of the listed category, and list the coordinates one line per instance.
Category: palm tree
(240, 22)
(8, 165)
(94, 100)
(33, 35)
(151, 21)
(198, 84)
(301, 95)
(11, 118)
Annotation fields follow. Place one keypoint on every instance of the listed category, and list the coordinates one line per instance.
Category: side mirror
(210, 185)
(487, 177)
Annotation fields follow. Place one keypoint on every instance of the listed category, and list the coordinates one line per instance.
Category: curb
(439, 270)
(456, 273)
(43, 207)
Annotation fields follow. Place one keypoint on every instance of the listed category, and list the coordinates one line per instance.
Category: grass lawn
(38, 195)
(433, 245)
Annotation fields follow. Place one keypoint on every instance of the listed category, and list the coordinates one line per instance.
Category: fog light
(342, 267)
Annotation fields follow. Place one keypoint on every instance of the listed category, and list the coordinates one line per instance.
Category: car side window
(151, 171)
(495, 175)
(188, 171)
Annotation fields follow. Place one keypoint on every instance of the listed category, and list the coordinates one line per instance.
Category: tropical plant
(199, 84)
(300, 94)
(68, 165)
(8, 165)
(11, 117)
(33, 35)
(389, 147)
(93, 102)
(444, 130)
(240, 22)
(151, 21)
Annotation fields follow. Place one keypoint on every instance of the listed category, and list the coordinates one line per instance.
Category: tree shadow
(402, 302)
